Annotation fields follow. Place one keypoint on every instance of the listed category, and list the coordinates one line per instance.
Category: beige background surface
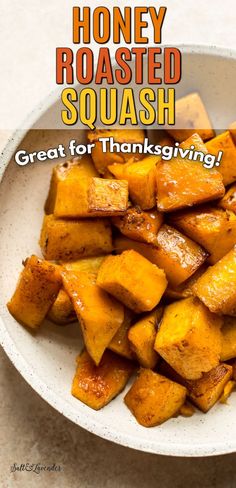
(30, 430)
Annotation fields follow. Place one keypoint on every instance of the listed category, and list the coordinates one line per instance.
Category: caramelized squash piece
(103, 159)
(141, 177)
(217, 286)
(176, 254)
(228, 338)
(72, 198)
(99, 314)
(176, 181)
(224, 142)
(62, 311)
(142, 337)
(213, 228)
(228, 202)
(95, 385)
(120, 342)
(73, 239)
(206, 391)
(194, 141)
(191, 117)
(139, 225)
(107, 197)
(35, 292)
(153, 399)
(189, 338)
(74, 170)
(133, 280)
(179, 256)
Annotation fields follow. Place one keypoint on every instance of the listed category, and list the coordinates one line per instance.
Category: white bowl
(47, 360)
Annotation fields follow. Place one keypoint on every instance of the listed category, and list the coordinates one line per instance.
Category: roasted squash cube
(69, 240)
(62, 311)
(176, 181)
(72, 190)
(194, 141)
(72, 198)
(141, 177)
(139, 225)
(189, 338)
(153, 399)
(99, 314)
(228, 338)
(176, 184)
(191, 117)
(228, 202)
(224, 142)
(133, 280)
(73, 169)
(103, 159)
(175, 253)
(108, 197)
(206, 391)
(179, 256)
(142, 337)
(213, 228)
(120, 342)
(95, 385)
(217, 286)
(36, 291)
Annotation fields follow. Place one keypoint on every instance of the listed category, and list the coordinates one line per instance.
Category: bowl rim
(80, 418)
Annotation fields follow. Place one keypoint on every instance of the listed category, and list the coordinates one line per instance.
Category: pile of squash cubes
(141, 252)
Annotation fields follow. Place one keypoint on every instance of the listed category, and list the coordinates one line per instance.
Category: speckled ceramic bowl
(47, 360)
